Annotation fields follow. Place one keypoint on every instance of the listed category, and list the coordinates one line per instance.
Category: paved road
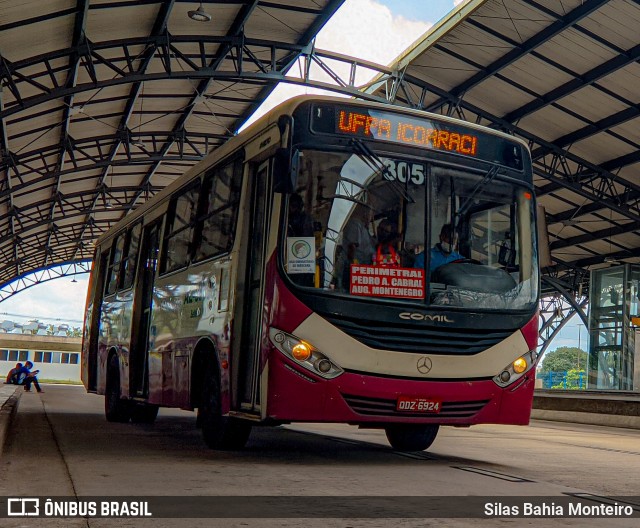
(61, 445)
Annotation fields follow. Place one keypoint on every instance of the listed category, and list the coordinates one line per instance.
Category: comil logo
(415, 316)
(23, 507)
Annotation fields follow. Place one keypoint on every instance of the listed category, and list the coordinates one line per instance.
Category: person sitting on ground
(31, 377)
(442, 253)
(16, 375)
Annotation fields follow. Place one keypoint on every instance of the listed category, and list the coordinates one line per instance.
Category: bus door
(251, 332)
(147, 266)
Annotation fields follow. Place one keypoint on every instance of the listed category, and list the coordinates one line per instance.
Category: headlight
(514, 371)
(304, 354)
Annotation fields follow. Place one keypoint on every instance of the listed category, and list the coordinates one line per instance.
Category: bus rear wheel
(411, 437)
(115, 408)
(219, 432)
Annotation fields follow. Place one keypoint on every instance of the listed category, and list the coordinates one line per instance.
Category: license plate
(413, 404)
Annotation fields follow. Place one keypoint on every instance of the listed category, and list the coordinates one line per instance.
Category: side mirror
(285, 171)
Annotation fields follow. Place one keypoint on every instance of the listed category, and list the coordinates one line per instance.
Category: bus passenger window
(129, 262)
(114, 264)
(179, 230)
(217, 222)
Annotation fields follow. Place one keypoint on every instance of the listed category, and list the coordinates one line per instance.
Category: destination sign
(428, 133)
(401, 129)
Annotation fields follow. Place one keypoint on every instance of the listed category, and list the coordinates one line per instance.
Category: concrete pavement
(9, 399)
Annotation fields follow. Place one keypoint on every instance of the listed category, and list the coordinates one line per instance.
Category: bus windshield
(395, 228)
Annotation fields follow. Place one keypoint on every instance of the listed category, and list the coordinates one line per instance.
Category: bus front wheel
(411, 437)
(144, 413)
(219, 432)
(115, 408)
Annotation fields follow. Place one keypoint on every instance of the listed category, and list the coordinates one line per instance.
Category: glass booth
(614, 319)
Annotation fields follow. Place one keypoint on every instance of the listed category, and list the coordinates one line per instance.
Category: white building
(56, 357)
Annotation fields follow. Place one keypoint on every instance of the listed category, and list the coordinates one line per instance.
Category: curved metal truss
(557, 310)
(43, 275)
(92, 129)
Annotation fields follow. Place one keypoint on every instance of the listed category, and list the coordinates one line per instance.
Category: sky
(348, 32)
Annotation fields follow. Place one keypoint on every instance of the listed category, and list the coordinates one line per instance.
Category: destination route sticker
(380, 281)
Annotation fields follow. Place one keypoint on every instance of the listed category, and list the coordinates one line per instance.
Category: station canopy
(105, 102)
(565, 76)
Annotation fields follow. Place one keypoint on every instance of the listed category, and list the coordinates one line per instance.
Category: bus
(337, 261)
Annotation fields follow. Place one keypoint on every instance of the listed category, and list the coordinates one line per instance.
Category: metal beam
(77, 40)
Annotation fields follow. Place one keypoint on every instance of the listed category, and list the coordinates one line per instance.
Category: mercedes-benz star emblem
(424, 365)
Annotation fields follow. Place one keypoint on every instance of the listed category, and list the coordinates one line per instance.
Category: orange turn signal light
(301, 351)
(519, 365)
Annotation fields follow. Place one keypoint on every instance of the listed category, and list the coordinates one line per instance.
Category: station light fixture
(200, 15)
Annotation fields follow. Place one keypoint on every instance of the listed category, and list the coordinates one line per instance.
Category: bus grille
(420, 339)
(378, 407)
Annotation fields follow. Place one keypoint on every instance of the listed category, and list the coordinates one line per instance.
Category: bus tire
(115, 408)
(219, 432)
(411, 437)
(144, 413)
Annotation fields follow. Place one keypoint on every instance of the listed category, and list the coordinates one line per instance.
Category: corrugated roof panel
(629, 131)
(129, 21)
(497, 96)
(287, 25)
(442, 70)
(515, 20)
(601, 148)
(576, 51)
(592, 103)
(617, 21)
(624, 82)
(547, 77)
(18, 43)
(475, 44)
(550, 123)
(631, 173)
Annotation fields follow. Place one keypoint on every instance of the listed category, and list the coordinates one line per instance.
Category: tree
(563, 359)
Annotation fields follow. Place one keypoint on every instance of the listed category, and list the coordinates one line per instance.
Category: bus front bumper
(297, 395)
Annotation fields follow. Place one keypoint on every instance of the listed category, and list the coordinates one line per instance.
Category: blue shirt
(438, 258)
(20, 375)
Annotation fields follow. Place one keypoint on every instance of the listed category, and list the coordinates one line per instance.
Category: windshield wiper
(488, 177)
(377, 165)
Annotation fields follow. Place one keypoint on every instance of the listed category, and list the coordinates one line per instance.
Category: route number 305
(404, 171)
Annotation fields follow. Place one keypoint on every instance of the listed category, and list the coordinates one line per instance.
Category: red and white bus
(289, 277)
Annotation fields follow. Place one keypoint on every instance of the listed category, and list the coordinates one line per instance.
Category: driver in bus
(443, 252)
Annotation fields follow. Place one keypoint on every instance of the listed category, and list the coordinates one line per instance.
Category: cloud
(458, 2)
(360, 28)
(57, 300)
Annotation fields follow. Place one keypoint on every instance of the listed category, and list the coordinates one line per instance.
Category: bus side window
(219, 211)
(115, 259)
(129, 261)
(179, 230)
